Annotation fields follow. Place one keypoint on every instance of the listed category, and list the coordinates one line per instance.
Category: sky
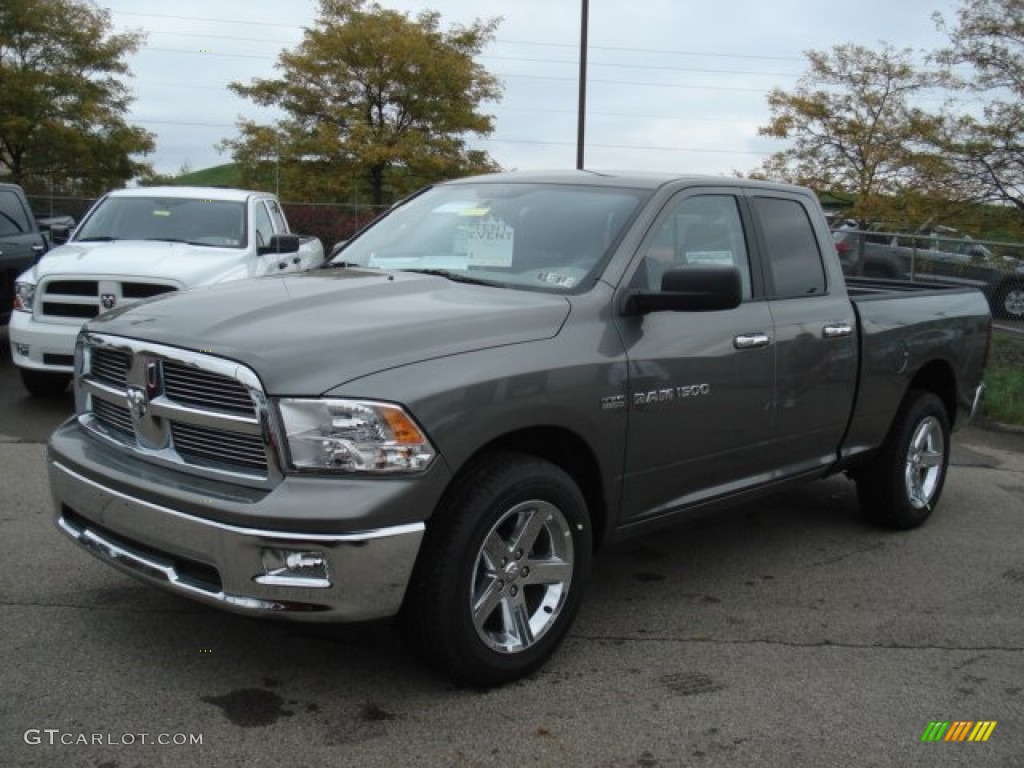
(674, 85)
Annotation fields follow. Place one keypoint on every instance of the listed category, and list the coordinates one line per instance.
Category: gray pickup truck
(489, 383)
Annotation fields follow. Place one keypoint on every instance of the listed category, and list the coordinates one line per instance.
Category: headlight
(24, 293)
(353, 436)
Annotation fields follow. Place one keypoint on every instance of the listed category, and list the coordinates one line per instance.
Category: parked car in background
(932, 256)
(22, 242)
(135, 244)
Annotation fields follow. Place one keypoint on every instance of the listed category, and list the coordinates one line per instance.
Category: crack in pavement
(95, 607)
(795, 644)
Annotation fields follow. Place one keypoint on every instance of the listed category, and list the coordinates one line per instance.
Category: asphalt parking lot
(787, 633)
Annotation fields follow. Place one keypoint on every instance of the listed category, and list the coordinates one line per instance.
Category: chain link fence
(997, 268)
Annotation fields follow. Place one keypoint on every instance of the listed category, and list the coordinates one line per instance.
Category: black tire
(1009, 302)
(470, 556)
(901, 485)
(44, 383)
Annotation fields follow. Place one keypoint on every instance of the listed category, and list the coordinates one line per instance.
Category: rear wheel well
(566, 450)
(938, 377)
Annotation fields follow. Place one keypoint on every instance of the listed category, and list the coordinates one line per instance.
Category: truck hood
(187, 264)
(308, 333)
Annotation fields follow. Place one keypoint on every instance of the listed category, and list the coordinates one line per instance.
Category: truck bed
(902, 326)
(866, 288)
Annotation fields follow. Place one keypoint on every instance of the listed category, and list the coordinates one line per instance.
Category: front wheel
(44, 383)
(501, 572)
(900, 487)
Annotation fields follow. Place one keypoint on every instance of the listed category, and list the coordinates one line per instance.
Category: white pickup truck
(137, 243)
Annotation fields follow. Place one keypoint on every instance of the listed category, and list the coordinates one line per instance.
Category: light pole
(582, 117)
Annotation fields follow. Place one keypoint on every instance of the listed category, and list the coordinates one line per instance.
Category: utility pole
(581, 120)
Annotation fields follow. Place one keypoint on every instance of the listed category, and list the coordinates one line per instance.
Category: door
(20, 242)
(700, 383)
(264, 230)
(815, 343)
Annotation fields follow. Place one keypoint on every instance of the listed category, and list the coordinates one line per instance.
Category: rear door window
(794, 259)
(262, 223)
(13, 218)
(280, 225)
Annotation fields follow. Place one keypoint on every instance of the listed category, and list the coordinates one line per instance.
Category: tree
(62, 103)
(376, 103)
(854, 128)
(985, 151)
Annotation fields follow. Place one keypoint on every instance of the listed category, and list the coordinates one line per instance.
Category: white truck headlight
(24, 294)
(353, 436)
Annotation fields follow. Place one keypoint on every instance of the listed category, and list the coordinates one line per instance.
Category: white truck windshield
(218, 223)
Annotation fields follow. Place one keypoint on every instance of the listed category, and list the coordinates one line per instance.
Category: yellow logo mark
(982, 730)
(958, 730)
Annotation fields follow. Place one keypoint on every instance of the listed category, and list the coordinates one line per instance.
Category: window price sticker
(491, 243)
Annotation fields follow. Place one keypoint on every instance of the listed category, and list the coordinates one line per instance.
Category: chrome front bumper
(311, 577)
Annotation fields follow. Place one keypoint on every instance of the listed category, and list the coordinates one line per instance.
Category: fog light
(289, 568)
(22, 349)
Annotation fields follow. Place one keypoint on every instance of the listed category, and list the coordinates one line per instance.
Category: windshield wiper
(96, 239)
(344, 265)
(455, 276)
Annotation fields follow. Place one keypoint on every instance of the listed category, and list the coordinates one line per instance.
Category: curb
(997, 426)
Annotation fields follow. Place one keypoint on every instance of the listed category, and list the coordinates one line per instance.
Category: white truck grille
(83, 299)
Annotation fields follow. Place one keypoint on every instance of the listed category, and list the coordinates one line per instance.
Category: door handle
(837, 331)
(751, 340)
(37, 248)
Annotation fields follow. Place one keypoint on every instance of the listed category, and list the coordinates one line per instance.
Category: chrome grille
(114, 417)
(219, 447)
(194, 386)
(111, 366)
(171, 406)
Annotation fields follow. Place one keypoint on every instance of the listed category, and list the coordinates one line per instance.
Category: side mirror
(59, 234)
(280, 244)
(689, 289)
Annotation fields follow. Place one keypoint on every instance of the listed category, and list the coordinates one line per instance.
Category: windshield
(174, 219)
(545, 237)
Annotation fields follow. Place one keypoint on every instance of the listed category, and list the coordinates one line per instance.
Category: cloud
(670, 85)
